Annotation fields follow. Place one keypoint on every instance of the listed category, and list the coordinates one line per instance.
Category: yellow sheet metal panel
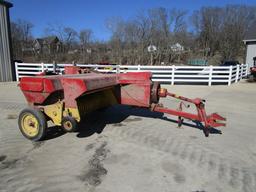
(73, 112)
(55, 112)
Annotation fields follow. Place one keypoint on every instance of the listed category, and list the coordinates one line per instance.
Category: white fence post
(118, 69)
(42, 67)
(243, 70)
(138, 67)
(237, 72)
(17, 71)
(173, 72)
(210, 76)
(54, 67)
(247, 69)
(230, 75)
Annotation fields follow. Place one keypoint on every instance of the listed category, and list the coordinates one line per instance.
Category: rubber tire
(72, 121)
(154, 92)
(42, 123)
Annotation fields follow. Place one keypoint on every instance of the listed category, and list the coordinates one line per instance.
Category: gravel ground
(125, 149)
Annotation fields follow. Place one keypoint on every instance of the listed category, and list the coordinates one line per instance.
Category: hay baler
(66, 99)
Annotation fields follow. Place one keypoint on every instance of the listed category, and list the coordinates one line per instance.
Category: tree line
(214, 34)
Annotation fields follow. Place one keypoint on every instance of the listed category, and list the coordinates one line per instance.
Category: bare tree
(235, 23)
(85, 37)
(21, 37)
(67, 35)
(218, 32)
(208, 22)
(116, 26)
(223, 29)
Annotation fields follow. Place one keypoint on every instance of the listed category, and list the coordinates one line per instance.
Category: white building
(250, 43)
(177, 47)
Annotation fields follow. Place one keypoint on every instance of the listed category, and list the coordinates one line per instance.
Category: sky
(92, 14)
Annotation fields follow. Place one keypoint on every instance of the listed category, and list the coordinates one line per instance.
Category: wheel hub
(30, 125)
(68, 125)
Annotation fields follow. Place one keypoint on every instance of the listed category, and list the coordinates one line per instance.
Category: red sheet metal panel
(73, 88)
(51, 85)
(35, 97)
(100, 81)
(32, 84)
(135, 77)
(37, 89)
(136, 95)
(135, 88)
(76, 85)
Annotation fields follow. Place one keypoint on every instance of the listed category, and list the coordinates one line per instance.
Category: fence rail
(165, 74)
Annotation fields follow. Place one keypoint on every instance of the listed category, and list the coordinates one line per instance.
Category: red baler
(65, 99)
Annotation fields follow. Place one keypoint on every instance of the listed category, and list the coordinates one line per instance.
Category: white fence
(166, 74)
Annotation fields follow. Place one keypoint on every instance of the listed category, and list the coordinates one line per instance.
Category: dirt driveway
(125, 149)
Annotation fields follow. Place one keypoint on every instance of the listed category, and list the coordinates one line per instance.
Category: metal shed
(6, 67)
(250, 42)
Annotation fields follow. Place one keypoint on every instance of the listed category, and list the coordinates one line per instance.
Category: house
(7, 69)
(177, 47)
(250, 42)
(47, 45)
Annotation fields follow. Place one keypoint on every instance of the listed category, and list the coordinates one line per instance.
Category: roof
(5, 3)
(251, 33)
(41, 41)
(51, 39)
(47, 40)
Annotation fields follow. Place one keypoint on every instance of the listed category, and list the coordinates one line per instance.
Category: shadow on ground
(54, 132)
(117, 115)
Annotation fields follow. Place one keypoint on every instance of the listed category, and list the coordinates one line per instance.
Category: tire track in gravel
(11, 174)
(29, 172)
(92, 176)
(22, 174)
(236, 176)
(18, 171)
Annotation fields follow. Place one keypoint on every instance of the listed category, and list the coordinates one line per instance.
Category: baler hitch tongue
(216, 120)
(207, 121)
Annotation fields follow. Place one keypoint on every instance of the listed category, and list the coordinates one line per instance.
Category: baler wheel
(32, 124)
(69, 124)
(154, 92)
